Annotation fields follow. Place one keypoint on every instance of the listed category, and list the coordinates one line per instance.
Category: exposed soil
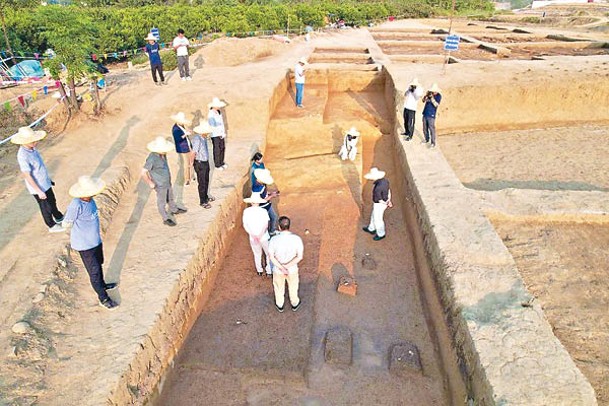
(282, 363)
(321, 194)
(565, 268)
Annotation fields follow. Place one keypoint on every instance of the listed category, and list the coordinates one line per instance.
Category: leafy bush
(124, 25)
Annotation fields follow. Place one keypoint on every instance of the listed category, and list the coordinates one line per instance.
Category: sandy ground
(74, 333)
(324, 196)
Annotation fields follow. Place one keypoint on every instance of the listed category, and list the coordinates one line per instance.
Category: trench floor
(242, 351)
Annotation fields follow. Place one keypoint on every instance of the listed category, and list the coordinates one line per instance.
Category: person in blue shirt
(256, 164)
(432, 101)
(156, 65)
(183, 147)
(36, 176)
(263, 178)
(82, 217)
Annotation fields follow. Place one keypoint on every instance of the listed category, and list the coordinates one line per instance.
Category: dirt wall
(508, 352)
(505, 107)
(151, 363)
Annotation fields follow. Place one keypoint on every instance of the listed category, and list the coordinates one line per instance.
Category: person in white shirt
(349, 148)
(299, 80)
(256, 224)
(286, 251)
(216, 120)
(411, 97)
(181, 44)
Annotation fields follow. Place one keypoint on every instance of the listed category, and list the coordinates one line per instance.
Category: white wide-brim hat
(87, 187)
(180, 118)
(434, 88)
(160, 145)
(150, 37)
(374, 174)
(203, 128)
(353, 131)
(26, 135)
(254, 198)
(303, 60)
(216, 103)
(263, 176)
(414, 82)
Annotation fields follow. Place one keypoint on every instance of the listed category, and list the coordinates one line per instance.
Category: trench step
(405, 357)
(338, 346)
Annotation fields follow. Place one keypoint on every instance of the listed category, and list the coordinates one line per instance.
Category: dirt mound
(236, 51)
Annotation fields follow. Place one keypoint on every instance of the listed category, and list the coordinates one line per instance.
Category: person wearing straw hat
(286, 251)
(156, 65)
(256, 224)
(216, 120)
(201, 164)
(349, 148)
(411, 97)
(156, 174)
(299, 80)
(263, 179)
(82, 217)
(36, 176)
(182, 143)
(381, 199)
(432, 101)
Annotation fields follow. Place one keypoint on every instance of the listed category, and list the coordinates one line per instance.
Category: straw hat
(414, 82)
(26, 135)
(434, 88)
(374, 174)
(216, 103)
(254, 198)
(150, 37)
(263, 176)
(303, 60)
(203, 128)
(353, 131)
(160, 145)
(86, 187)
(180, 118)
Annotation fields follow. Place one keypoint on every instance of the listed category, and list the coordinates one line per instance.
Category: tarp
(26, 70)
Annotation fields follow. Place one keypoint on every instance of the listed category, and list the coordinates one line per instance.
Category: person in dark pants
(82, 217)
(201, 164)
(263, 178)
(180, 45)
(37, 179)
(156, 65)
(218, 135)
(180, 138)
(411, 97)
(432, 100)
(256, 164)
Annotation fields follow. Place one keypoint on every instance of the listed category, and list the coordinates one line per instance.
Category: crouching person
(82, 218)
(349, 148)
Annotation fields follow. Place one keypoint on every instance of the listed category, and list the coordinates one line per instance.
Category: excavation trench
(241, 350)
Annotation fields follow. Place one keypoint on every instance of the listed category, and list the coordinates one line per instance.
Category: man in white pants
(381, 199)
(286, 250)
(256, 223)
(349, 148)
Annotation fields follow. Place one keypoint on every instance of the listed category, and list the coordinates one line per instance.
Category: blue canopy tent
(26, 70)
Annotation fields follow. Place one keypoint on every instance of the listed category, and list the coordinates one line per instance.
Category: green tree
(69, 33)
(12, 5)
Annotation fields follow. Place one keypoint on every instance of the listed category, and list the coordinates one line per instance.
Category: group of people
(432, 100)
(82, 217)
(180, 45)
(272, 237)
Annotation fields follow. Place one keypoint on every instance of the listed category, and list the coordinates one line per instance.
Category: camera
(412, 88)
(428, 96)
(351, 137)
